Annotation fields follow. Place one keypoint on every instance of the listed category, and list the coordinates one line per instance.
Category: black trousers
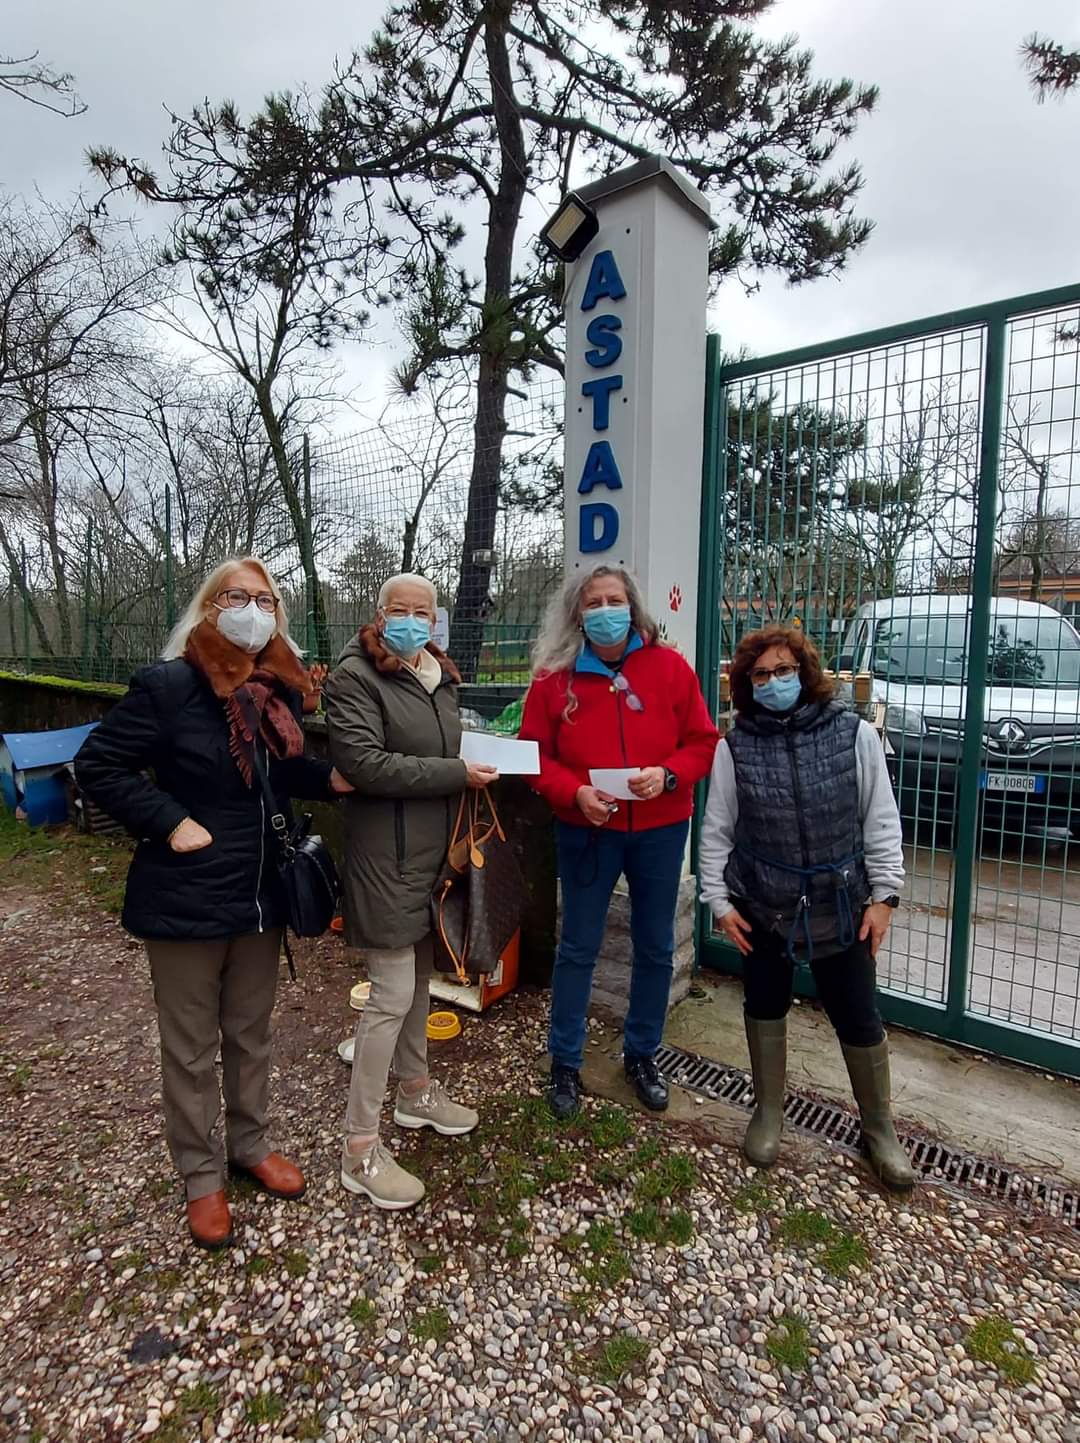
(846, 984)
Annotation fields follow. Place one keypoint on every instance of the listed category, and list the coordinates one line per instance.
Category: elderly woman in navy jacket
(201, 891)
(801, 860)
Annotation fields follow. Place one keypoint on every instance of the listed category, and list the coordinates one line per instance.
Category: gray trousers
(206, 993)
(392, 1029)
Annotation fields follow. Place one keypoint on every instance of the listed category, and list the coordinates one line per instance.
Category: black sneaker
(564, 1091)
(644, 1076)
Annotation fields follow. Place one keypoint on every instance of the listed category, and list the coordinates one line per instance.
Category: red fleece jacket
(674, 730)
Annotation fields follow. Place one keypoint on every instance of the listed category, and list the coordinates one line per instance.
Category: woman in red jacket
(607, 693)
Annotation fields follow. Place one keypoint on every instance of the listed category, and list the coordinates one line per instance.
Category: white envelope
(511, 757)
(613, 781)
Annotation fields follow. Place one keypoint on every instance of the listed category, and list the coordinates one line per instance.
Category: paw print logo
(675, 598)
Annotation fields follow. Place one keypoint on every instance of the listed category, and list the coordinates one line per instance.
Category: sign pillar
(635, 389)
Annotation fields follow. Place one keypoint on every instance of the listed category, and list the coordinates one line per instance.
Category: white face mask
(246, 626)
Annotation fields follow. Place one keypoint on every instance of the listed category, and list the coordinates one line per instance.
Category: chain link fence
(93, 578)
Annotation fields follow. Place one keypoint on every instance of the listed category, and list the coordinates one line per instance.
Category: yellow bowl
(441, 1026)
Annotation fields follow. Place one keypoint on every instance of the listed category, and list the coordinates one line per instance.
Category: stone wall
(30, 704)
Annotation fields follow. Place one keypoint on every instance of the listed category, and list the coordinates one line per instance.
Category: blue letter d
(599, 527)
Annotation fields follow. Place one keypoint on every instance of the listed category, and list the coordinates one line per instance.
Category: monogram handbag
(310, 886)
(480, 895)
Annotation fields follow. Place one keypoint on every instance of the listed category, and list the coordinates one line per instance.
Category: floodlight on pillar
(570, 229)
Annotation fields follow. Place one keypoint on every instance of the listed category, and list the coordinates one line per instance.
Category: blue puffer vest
(798, 862)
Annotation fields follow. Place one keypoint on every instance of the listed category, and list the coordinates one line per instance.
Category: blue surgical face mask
(779, 693)
(406, 635)
(607, 625)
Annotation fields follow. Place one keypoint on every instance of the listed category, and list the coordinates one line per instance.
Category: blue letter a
(604, 280)
(600, 469)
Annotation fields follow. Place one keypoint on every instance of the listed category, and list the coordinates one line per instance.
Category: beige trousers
(392, 1029)
(208, 992)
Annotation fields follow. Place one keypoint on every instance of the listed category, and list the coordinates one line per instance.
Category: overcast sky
(974, 187)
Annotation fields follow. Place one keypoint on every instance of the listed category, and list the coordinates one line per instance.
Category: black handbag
(310, 886)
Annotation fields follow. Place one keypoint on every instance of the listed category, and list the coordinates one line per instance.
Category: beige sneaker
(432, 1108)
(376, 1175)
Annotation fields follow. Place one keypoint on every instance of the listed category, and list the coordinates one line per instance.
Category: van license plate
(1012, 782)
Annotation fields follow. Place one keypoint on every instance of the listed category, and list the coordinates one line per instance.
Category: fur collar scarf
(384, 660)
(226, 667)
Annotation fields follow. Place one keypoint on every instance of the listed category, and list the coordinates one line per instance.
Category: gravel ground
(619, 1279)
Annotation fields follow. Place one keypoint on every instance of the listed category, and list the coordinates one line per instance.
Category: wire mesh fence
(913, 503)
(91, 579)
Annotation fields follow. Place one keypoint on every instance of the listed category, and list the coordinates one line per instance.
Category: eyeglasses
(760, 675)
(621, 685)
(396, 609)
(236, 598)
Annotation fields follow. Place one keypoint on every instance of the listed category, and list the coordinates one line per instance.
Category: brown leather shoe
(210, 1221)
(274, 1175)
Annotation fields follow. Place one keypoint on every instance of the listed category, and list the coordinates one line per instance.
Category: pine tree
(459, 111)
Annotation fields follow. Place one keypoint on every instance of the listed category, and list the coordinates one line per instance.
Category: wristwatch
(892, 901)
(671, 781)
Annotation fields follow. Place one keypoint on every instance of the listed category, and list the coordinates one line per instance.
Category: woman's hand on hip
(338, 783)
(876, 920)
(736, 929)
(596, 807)
(648, 783)
(477, 775)
(190, 837)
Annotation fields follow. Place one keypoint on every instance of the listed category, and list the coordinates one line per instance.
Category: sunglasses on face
(621, 685)
(236, 598)
(760, 675)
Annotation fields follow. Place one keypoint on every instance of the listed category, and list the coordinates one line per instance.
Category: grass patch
(614, 1359)
(651, 1225)
(431, 1264)
(604, 1264)
(435, 1323)
(264, 1408)
(788, 1344)
(843, 1253)
(21, 1074)
(310, 1426)
(200, 1398)
(752, 1197)
(94, 865)
(258, 1266)
(993, 1340)
(363, 1313)
(610, 1127)
(136, 1259)
(804, 1227)
(838, 1251)
(161, 1188)
(670, 1177)
(556, 1169)
(297, 1263)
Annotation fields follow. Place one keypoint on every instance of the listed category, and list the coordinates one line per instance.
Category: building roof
(45, 749)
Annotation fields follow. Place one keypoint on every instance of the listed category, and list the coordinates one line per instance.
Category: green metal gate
(911, 497)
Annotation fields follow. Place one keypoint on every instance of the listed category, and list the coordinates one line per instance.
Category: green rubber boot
(868, 1068)
(768, 1063)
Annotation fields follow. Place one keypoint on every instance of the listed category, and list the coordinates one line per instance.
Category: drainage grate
(933, 1162)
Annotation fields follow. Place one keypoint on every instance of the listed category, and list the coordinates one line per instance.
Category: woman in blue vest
(801, 860)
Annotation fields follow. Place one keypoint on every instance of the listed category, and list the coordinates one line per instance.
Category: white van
(917, 648)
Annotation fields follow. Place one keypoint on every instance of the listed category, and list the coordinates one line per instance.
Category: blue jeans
(590, 863)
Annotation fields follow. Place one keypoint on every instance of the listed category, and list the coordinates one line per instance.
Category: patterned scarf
(254, 691)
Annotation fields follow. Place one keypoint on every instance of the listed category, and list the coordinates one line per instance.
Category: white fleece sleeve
(718, 832)
(883, 841)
